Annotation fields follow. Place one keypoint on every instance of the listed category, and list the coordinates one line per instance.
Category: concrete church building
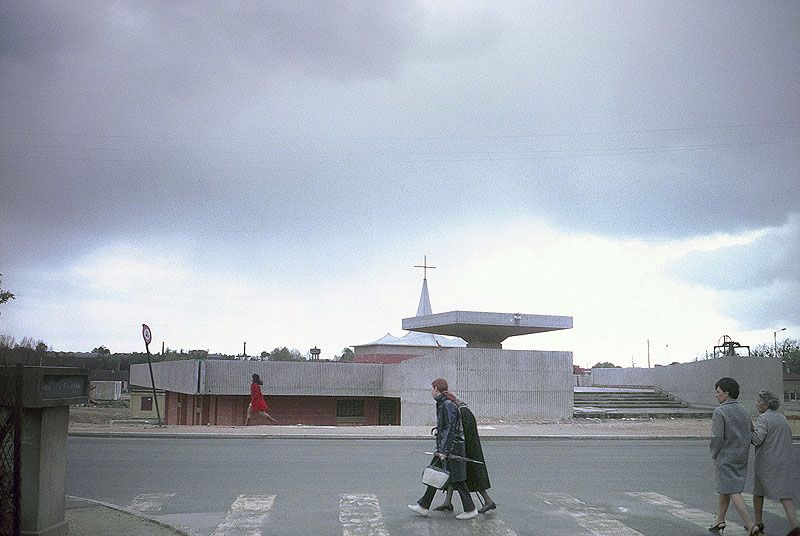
(389, 381)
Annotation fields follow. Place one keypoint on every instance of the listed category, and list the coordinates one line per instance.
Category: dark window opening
(350, 410)
(387, 411)
(147, 403)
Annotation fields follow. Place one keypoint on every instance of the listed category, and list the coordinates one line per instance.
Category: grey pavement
(92, 518)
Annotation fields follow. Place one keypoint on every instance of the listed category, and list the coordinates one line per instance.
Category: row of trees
(788, 350)
(32, 352)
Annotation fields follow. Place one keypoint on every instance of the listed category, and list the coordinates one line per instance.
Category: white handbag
(435, 476)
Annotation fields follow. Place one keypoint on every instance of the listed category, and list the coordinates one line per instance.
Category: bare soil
(100, 412)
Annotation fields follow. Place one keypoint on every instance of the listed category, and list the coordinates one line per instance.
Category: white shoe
(422, 511)
(468, 515)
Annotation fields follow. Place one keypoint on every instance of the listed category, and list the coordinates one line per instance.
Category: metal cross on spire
(424, 267)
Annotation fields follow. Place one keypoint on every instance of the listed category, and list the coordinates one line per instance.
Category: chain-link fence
(10, 462)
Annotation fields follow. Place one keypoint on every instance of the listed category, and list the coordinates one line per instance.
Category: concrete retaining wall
(496, 383)
(223, 377)
(178, 376)
(694, 382)
(316, 378)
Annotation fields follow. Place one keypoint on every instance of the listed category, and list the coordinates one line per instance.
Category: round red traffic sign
(146, 334)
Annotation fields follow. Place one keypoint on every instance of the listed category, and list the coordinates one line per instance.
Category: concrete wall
(495, 383)
(136, 404)
(44, 460)
(224, 377)
(694, 382)
(105, 390)
(292, 378)
(179, 376)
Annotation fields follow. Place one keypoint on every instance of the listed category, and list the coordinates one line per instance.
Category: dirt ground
(100, 412)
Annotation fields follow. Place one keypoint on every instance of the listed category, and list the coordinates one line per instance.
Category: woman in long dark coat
(730, 448)
(477, 475)
(449, 441)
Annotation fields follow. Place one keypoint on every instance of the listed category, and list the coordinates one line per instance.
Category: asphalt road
(361, 487)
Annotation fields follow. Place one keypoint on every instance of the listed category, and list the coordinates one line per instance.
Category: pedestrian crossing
(591, 518)
(696, 517)
(362, 514)
(246, 516)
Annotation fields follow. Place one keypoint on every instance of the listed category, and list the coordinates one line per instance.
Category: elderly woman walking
(730, 448)
(773, 476)
(449, 441)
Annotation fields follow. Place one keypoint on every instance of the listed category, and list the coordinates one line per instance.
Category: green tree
(284, 354)
(101, 350)
(762, 350)
(606, 364)
(789, 351)
(4, 294)
(346, 356)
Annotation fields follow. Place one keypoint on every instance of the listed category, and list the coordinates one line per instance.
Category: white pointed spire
(424, 308)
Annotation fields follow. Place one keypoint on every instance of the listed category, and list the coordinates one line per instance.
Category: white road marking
(149, 502)
(246, 516)
(360, 515)
(700, 518)
(595, 520)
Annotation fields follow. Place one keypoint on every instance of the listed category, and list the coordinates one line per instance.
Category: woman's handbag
(435, 476)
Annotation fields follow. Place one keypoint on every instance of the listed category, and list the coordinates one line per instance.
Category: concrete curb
(521, 437)
(179, 531)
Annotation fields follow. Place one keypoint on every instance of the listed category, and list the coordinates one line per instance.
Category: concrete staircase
(631, 402)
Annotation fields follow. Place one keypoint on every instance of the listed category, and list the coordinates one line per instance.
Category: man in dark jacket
(477, 475)
(449, 441)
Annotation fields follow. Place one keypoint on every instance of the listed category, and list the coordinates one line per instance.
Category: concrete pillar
(42, 395)
(44, 470)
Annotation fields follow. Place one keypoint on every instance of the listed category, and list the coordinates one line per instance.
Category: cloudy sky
(272, 172)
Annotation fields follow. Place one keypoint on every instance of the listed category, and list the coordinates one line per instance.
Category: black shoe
(719, 527)
(487, 507)
(444, 508)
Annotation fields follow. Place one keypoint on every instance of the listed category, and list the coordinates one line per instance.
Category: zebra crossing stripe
(246, 516)
(360, 515)
(769, 505)
(596, 521)
(694, 516)
(149, 502)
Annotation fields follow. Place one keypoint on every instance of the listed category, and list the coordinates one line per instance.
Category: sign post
(147, 336)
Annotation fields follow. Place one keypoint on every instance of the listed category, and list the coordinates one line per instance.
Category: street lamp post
(775, 339)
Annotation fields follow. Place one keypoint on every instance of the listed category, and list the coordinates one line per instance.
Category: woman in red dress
(257, 402)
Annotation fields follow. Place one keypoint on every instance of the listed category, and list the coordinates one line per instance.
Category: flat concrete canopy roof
(485, 330)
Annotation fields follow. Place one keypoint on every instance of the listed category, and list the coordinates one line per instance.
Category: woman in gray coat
(773, 464)
(730, 447)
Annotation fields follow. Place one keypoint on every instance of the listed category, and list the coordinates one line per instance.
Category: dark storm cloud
(115, 115)
(760, 281)
(328, 122)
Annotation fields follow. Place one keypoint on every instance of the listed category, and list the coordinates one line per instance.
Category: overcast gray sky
(271, 172)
